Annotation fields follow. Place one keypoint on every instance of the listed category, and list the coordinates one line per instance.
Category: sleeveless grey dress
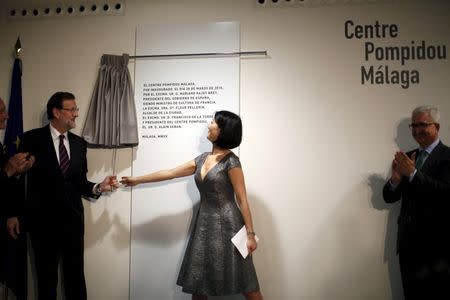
(212, 265)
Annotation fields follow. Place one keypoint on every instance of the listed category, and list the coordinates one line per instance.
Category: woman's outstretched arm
(185, 169)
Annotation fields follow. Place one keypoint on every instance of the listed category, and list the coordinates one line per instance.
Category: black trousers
(50, 248)
(15, 265)
(425, 276)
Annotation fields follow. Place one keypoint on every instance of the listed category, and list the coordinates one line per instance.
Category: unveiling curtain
(111, 120)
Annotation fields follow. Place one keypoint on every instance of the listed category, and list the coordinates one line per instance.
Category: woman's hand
(251, 244)
(129, 181)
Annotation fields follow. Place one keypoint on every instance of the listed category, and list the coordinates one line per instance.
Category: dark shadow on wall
(166, 229)
(98, 228)
(102, 225)
(376, 182)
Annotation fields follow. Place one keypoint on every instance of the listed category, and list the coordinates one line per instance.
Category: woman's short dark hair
(56, 101)
(230, 125)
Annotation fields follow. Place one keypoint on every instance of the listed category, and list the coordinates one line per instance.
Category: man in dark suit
(421, 179)
(12, 255)
(53, 211)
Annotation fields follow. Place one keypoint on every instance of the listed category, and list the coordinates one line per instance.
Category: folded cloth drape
(111, 119)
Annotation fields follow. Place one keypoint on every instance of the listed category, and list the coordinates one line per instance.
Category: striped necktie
(64, 161)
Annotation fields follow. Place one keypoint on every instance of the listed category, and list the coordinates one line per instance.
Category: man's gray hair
(431, 110)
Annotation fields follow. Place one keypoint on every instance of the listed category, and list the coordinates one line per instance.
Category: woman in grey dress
(212, 265)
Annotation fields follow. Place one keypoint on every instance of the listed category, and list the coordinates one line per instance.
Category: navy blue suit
(3, 199)
(13, 253)
(53, 212)
(423, 241)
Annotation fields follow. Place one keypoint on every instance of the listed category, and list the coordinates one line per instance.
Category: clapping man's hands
(404, 165)
(19, 163)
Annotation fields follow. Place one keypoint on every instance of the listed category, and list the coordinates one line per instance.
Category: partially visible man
(53, 210)
(19, 163)
(421, 179)
(11, 254)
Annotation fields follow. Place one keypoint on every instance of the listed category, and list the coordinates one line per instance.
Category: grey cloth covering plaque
(111, 119)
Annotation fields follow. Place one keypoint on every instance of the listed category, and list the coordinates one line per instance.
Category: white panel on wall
(176, 99)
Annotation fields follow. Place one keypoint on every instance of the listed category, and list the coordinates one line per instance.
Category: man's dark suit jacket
(4, 180)
(3, 199)
(54, 201)
(8, 186)
(424, 221)
(3, 176)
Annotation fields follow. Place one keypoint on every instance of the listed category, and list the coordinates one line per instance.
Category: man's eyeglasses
(420, 125)
(72, 110)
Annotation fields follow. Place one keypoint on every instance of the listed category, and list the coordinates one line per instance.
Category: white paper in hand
(240, 241)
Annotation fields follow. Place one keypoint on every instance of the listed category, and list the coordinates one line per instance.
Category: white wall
(317, 144)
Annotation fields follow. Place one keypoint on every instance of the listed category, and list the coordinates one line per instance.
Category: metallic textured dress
(211, 264)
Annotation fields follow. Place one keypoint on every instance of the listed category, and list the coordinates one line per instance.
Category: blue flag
(14, 127)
